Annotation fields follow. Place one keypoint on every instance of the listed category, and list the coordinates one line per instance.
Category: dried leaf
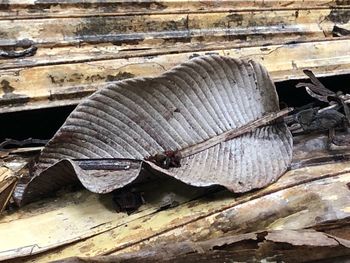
(318, 87)
(315, 120)
(315, 89)
(340, 32)
(138, 119)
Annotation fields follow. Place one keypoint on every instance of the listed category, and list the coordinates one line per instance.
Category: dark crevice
(296, 97)
(43, 123)
(38, 124)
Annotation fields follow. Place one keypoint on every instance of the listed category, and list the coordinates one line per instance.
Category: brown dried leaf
(136, 119)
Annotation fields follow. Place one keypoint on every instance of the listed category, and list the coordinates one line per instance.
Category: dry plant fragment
(195, 103)
(335, 116)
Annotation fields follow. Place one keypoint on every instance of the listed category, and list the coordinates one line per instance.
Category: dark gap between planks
(43, 123)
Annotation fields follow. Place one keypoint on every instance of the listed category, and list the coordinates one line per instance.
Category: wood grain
(83, 45)
(60, 8)
(301, 198)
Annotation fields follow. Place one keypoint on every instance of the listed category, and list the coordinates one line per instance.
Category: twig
(333, 106)
(249, 127)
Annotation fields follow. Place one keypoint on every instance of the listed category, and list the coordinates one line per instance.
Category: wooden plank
(169, 27)
(277, 245)
(293, 202)
(55, 85)
(83, 45)
(79, 215)
(14, 9)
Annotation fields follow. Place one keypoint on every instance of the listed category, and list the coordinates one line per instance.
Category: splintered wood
(10, 171)
(7, 185)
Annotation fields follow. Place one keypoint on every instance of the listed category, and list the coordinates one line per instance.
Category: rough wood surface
(169, 28)
(272, 246)
(301, 198)
(82, 45)
(60, 8)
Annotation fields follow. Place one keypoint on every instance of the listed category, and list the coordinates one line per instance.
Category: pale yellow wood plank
(185, 27)
(72, 217)
(298, 194)
(34, 9)
(67, 83)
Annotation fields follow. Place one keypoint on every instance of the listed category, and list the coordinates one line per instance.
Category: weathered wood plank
(78, 51)
(168, 27)
(276, 246)
(301, 198)
(74, 216)
(60, 224)
(55, 85)
(39, 9)
(7, 186)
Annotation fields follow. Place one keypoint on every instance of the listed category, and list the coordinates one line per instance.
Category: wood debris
(9, 175)
(8, 183)
(333, 114)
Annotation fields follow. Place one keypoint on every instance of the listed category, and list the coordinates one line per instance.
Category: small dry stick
(250, 126)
